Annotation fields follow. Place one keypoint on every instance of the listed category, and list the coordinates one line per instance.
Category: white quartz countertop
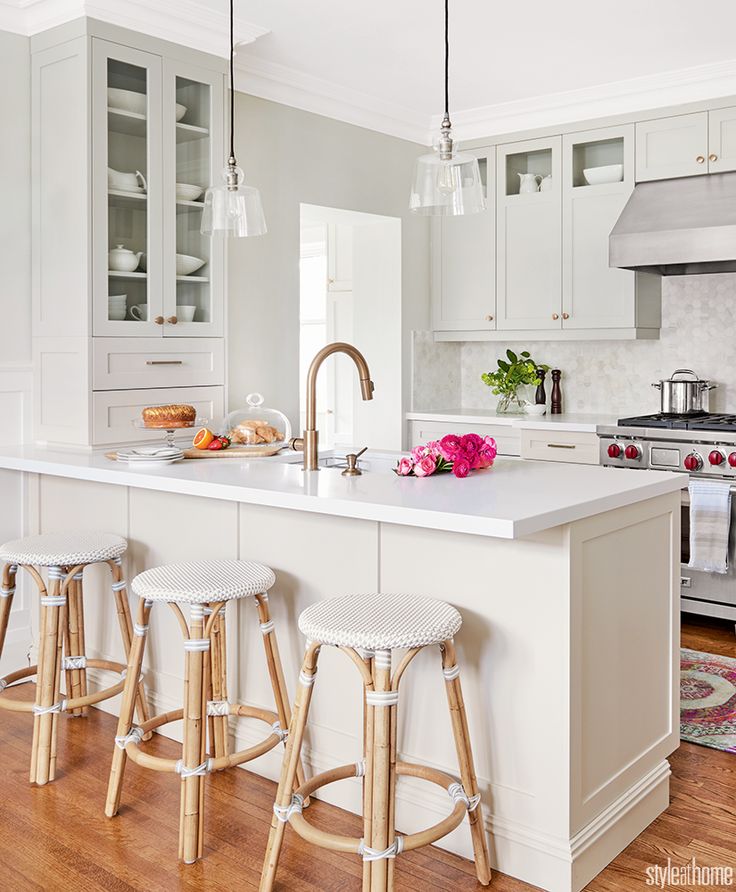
(512, 499)
(568, 421)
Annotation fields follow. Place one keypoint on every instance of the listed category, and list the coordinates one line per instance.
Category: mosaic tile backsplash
(610, 377)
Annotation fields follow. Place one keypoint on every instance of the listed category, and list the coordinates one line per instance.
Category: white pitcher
(546, 184)
(529, 182)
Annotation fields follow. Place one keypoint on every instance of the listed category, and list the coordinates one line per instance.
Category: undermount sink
(376, 461)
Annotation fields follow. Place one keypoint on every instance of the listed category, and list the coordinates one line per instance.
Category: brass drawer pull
(700, 159)
(560, 446)
(164, 362)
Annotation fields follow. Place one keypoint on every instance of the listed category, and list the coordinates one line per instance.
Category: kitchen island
(567, 577)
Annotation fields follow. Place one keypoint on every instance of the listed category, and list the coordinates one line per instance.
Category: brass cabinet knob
(565, 315)
(712, 157)
(489, 318)
(555, 316)
(172, 320)
(159, 320)
(700, 159)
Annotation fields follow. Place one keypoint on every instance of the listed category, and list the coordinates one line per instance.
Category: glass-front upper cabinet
(127, 198)
(193, 156)
(157, 145)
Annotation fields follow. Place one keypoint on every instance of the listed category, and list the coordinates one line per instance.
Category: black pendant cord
(447, 60)
(232, 84)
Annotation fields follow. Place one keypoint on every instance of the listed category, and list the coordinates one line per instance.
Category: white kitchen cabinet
(576, 447)
(672, 147)
(508, 438)
(722, 140)
(595, 296)
(107, 99)
(529, 237)
(464, 261)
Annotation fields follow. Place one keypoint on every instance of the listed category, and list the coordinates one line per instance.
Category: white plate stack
(150, 455)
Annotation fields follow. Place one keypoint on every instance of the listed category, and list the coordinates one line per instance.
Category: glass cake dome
(257, 429)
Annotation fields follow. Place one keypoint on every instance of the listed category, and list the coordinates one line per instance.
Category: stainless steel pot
(684, 396)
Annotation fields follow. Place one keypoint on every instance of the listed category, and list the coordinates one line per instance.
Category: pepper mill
(540, 397)
(556, 401)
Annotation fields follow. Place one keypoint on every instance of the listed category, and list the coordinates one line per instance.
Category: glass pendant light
(233, 208)
(446, 182)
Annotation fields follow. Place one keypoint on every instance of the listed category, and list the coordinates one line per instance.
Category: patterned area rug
(708, 700)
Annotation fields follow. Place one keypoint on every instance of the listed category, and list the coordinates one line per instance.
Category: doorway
(350, 290)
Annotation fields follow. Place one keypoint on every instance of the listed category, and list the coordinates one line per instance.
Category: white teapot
(529, 182)
(123, 260)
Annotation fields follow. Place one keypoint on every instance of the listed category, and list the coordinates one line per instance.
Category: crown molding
(184, 22)
(685, 85)
(287, 86)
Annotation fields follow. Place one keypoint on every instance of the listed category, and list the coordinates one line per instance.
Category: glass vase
(513, 403)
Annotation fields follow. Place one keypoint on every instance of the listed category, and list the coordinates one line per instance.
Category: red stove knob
(614, 451)
(732, 459)
(693, 462)
(632, 452)
(716, 457)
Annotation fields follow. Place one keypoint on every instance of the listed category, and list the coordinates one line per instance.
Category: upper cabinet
(154, 153)
(464, 261)
(529, 227)
(127, 135)
(686, 145)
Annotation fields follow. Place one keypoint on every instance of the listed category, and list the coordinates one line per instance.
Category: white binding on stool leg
(369, 854)
(307, 680)
(218, 707)
(140, 630)
(284, 812)
(382, 698)
(267, 628)
(451, 672)
(458, 794)
(135, 735)
(196, 644)
(192, 772)
(74, 663)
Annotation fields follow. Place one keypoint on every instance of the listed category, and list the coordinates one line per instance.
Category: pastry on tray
(254, 433)
(169, 417)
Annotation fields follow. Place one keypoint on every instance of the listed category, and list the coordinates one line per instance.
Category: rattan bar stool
(367, 628)
(61, 638)
(206, 586)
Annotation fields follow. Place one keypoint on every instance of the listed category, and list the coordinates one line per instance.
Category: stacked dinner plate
(150, 455)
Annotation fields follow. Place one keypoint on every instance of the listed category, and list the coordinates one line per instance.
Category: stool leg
(120, 590)
(276, 673)
(368, 716)
(218, 724)
(76, 679)
(465, 760)
(47, 695)
(192, 800)
(290, 764)
(6, 600)
(381, 759)
(127, 708)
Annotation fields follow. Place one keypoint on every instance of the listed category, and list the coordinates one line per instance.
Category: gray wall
(15, 188)
(292, 157)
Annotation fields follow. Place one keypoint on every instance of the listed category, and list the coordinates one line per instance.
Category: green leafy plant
(514, 373)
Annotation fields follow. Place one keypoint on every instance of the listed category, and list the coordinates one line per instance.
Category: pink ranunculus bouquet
(459, 454)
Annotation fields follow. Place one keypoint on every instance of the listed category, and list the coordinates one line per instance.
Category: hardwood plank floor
(56, 838)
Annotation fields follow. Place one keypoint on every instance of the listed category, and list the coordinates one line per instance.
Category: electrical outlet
(686, 582)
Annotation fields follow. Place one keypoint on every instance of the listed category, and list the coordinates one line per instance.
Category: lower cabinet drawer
(113, 411)
(135, 363)
(508, 441)
(580, 447)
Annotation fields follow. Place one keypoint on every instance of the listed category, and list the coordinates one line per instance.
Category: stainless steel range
(701, 444)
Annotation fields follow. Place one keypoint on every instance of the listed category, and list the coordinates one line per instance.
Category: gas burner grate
(671, 422)
(715, 423)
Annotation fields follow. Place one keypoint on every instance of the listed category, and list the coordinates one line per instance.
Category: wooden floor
(56, 838)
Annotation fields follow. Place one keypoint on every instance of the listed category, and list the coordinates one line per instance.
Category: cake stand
(171, 431)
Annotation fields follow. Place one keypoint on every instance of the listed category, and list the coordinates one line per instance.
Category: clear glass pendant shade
(233, 208)
(447, 187)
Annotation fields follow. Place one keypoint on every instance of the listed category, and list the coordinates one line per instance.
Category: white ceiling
(379, 63)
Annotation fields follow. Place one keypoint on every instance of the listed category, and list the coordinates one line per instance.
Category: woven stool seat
(68, 549)
(380, 622)
(202, 582)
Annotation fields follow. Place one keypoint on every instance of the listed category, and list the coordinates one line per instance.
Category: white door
(464, 262)
(722, 140)
(339, 409)
(529, 237)
(593, 294)
(672, 147)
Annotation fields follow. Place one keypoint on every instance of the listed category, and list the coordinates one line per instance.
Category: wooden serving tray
(232, 452)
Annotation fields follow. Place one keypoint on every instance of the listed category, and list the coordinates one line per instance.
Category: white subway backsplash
(611, 377)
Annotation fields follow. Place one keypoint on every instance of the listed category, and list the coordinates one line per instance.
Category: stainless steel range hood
(678, 227)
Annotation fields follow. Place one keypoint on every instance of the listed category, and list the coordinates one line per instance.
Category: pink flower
(418, 453)
(487, 453)
(461, 467)
(450, 447)
(404, 467)
(425, 467)
(471, 443)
